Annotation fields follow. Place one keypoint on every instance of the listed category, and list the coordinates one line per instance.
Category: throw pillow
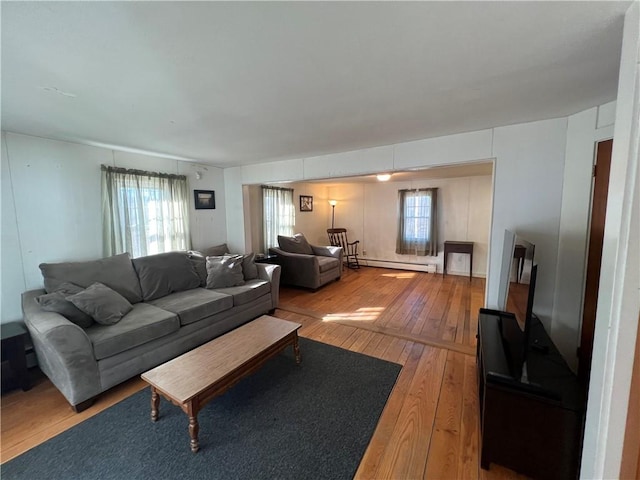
(295, 244)
(224, 271)
(216, 251)
(56, 302)
(249, 269)
(106, 306)
(199, 262)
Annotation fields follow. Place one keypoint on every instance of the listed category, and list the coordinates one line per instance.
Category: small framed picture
(204, 199)
(306, 203)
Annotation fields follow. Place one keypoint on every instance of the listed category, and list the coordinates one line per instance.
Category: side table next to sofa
(14, 336)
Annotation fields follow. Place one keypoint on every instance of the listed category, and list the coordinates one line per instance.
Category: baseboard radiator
(415, 267)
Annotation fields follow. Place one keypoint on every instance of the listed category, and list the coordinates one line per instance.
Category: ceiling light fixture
(383, 177)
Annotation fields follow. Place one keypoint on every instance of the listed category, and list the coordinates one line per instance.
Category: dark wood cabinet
(533, 427)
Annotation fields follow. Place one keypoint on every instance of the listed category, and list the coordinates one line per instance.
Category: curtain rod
(142, 173)
(417, 189)
(269, 187)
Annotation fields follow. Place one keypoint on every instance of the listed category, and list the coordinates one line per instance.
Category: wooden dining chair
(338, 238)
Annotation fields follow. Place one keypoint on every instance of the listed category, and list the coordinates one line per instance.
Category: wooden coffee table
(191, 380)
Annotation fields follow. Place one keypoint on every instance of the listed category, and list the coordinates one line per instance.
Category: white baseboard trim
(416, 267)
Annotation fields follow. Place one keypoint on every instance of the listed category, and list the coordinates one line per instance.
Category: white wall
(584, 129)
(51, 207)
(527, 200)
(619, 294)
(370, 213)
(313, 224)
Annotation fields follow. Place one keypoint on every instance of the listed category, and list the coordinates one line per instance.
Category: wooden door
(594, 256)
(630, 467)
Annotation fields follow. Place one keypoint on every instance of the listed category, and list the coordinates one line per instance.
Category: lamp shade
(333, 203)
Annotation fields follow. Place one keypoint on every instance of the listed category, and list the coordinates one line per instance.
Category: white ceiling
(242, 82)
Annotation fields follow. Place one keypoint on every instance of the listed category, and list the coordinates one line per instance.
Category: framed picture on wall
(204, 199)
(306, 203)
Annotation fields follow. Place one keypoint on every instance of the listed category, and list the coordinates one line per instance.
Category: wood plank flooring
(427, 323)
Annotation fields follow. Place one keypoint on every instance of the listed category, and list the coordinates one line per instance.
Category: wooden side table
(14, 336)
(267, 259)
(458, 247)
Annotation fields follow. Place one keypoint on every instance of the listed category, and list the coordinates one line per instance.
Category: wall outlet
(364, 252)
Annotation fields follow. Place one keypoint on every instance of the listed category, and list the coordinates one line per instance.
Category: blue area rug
(312, 420)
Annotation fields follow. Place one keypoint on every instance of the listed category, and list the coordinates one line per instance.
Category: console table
(458, 247)
(534, 428)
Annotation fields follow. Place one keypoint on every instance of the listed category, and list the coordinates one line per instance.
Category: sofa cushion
(165, 273)
(106, 306)
(296, 244)
(115, 272)
(248, 292)
(194, 305)
(224, 271)
(327, 263)
(141, 325)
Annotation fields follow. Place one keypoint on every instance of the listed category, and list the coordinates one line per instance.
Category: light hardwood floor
(425, 322)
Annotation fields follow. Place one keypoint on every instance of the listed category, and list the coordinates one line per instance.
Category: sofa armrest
(328, 251)
(271, 273)
(64, 351)
(308, 261)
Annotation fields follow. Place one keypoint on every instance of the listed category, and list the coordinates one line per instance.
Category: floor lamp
(333, 204)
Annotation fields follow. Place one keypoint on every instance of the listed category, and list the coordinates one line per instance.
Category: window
(279, 214)
(417, 222)
(144, 213)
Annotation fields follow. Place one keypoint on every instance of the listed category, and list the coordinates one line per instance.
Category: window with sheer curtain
(144, 213)
(417, 222)
(278, 214)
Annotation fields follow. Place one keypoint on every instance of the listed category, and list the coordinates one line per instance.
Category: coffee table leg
(193, 433)
(155, 404)
(296, 348)
(194, 428)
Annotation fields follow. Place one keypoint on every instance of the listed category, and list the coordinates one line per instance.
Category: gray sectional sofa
(170, 314)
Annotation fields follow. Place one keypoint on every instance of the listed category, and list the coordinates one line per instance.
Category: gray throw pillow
(295, 244)
(57, 302)
(199, 262)
(224, 271)
(106, 306)
(249, 269)
(215, 251)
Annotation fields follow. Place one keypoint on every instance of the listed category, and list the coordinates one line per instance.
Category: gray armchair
(313, 269)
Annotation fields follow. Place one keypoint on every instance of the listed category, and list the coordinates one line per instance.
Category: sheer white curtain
(417, 222)
(144, 213)
(278, 214)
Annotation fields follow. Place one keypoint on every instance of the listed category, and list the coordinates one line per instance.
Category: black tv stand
(533, 427)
